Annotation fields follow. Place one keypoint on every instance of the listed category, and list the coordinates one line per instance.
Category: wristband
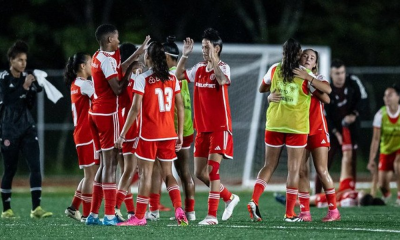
(184, 56)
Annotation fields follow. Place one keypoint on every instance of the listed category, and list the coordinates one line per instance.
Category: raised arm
(187, 49)
(135, 55)
(118, 86)
(219, 75)
(320, 85)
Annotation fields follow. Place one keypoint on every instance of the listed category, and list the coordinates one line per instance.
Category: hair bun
(171, 39)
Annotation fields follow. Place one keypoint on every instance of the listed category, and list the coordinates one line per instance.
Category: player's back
(81, 92)
(158, 104)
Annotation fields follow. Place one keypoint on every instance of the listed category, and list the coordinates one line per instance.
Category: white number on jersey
(168, 93)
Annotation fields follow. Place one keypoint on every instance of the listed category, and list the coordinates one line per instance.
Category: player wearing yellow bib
(287, 124)
(387, 132)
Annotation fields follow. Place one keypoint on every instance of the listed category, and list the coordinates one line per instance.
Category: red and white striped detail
(173, 187)
(127, 197)
(116, 127)
(261, 182)
(78, 194)
(330, 191)
(304, 195)
(292, 191)
(214, 196)
(123, 192)
(86, 199)
(142, 200)
(109, 186)
(221, 187)
(97, 184)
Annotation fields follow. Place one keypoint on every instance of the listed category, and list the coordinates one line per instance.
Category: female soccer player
(387, 132)
(287, 124)
(156, 93)
(17, 97)
(212, 118)
(76, 76)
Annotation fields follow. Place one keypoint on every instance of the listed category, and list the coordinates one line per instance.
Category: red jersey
(105, 66)
(133, 131)
(212, 112)
(317, 118)
(81, 92)
(158, 105)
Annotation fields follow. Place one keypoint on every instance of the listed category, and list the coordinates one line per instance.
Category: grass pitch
(357, 223)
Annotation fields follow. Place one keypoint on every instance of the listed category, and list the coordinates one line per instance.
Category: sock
(6, 198)
(130, 207)
(291, 195)
(213, 201)
(154, 201)
(36, 194)
(175, 195)
(258, 190)
(331, 198)
(398, 195)
(121, 194)
(77, 200)
(86, 203)
(141, 205)
(109, 192)
(224, 193)
(97, 197)
(189, 205)
(135, 177)
(304, 199)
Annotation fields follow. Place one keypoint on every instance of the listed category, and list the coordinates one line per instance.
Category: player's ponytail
(17, 48)
(72, 67)
(159, 63)
(291, 50)
(171, 48)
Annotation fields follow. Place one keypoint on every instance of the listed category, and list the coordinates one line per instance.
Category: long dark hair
(72, 67)
(157, 56)
(291, 49)
(126, 49)
(315, 69)
(171, 48)
(17, 48)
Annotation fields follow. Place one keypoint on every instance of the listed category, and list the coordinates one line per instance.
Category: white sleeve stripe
(363, 92)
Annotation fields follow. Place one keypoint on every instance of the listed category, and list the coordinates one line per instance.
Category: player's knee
(213, 170)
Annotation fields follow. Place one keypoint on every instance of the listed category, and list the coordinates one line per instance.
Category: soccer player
(387, 132)
(76, 75)
(287, 124)
(18, 129)
(156, 93)
(212, 120)
(129, 163)
(109, 80)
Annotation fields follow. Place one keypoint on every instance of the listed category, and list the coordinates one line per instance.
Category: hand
(28, 81)
(349, 119)
(179, 142)
(371, 166)
(137, 67)
(187, 46)
(274, 97)
(211, 53)
(118, 143)
(301, 73)
(144, 45)
(339, 137)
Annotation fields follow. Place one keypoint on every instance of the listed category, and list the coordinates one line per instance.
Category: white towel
(52, 92)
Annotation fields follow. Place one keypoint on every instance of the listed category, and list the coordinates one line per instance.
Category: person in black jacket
(18, 129)
(348, 103)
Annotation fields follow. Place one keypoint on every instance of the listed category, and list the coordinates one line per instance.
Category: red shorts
(207, 143)
(386, 161)
(108, 129)
(95, 136)
(150, 150)
(317, 141)
(347, 184)
(347, 145)
(277, 139)
(187, 141)
(87, 155)
(130, 146)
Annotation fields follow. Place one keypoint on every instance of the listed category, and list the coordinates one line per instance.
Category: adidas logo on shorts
(217, 148)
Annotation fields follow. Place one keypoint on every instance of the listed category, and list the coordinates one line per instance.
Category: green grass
(356, 223)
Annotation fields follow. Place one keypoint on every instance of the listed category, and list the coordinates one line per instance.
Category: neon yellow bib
(188, 123)
(291, 114)
(390, 134)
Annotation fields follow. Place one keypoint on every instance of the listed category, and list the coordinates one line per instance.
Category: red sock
(213, 201)
(97, 197)
(121, 194)
(398, 195)
(154, 201)
(258, 190)
(135, 177)
(130, 206)
(141, 205)
(87, 201)
(304, 199)
(77, 200)
(109, 192)
(189, 205)
(175, 196)
(291, 196)
(224, 193)
(331, 198)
